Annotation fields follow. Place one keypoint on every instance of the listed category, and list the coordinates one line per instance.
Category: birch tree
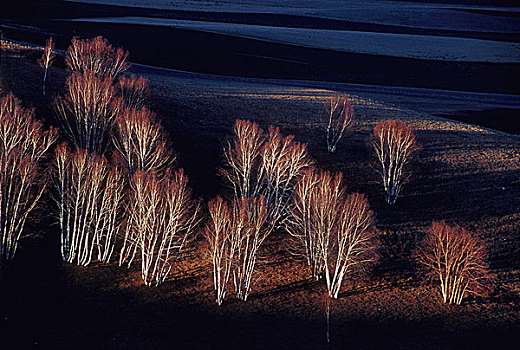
(87, 112)
(333, 228)
(262, 169)
(264, 164)
(46, 60)
(394, 144)
(23, 147)
(89, 198)
(339, 116)
(234, 235)
(134, 91)
(162, 220)
(96, 55)
(141, 141)
(457, 259)
(222, 246)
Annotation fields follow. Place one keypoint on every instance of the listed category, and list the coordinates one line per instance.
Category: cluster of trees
(117, 191)
(24, 145)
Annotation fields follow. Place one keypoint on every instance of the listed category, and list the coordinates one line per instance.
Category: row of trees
(116, 191)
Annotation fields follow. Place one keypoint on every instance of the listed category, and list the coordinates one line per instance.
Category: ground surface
(464, 174)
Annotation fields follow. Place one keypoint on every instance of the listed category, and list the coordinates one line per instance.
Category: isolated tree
(87, 111)
(134, 90)
(162, 219)
(264, 164)
(89, 198)
(141, 141)
(339, 116)
(333, 228)
(97, 56)
(23, 146)
(457, 259)
(394, 144)
(47, 59)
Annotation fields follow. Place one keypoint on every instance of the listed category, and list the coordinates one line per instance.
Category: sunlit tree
(267, 164)
(162, 219)
(46, 60)
(89, 199)
(394, 143)
(134, 90)
(457, 259)
(235, 235)
(339, 116)
(141, 141)
(23, 146)
(333, 228)
(97, 56)
(222, 246)
(87, 111)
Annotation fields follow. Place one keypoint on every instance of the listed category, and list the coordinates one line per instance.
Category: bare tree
(301, 222)
(87, 111)
(96, 56)
(394, 144)
(262, 168)
(220, 233)
(162, 218)
(282, 161)
(234, 237)
(243, 158)
(134, 91)
(89, 198)
(333, 228)
(141, 141)
(264, 164)
(250, 231)
(457, 259)
(23, 145)
(47, 59)
(339, 116)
